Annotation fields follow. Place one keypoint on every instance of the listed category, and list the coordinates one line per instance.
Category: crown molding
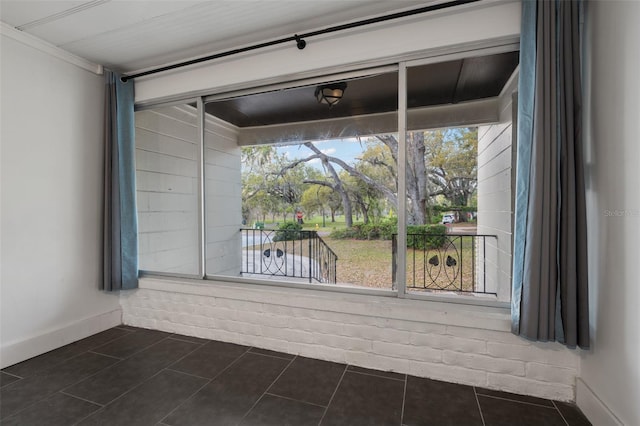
(48, 48)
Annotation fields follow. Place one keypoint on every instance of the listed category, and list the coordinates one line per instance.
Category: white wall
(609, 389)
(51, 193)
(496, 167)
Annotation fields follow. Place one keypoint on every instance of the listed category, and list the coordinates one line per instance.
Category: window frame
(286, 82)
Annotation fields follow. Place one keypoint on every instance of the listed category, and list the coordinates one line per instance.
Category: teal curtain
(550, 283)
(120, 226)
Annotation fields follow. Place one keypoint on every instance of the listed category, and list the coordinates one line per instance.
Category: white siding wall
(223, 198)
(444, 341)
(167, 188)
(496, 167)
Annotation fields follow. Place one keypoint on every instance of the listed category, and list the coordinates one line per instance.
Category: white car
(448, 218)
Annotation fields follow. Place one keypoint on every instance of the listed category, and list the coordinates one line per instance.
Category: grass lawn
(368, 264)
(363, 263)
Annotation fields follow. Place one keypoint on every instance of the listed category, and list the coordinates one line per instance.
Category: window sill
(436, 309)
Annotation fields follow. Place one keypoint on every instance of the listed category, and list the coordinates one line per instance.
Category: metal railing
(288, 253)
(447, 262)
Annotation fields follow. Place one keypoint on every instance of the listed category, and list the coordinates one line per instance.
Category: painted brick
(417, 326)
(531, 387)
(378, 362)
(341, 317)
(374, 333)
(316, 326)
(395, 350)
(488, 335)
(239, 327)
(483, 362)
(316, 351)
(310, 326)
(278, 321)
(288, 335)
(240, 305)
(347, 343)
(549, 353)
(448, 373)
(449, 342)
(550, 373)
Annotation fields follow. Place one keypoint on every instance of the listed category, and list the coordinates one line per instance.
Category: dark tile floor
(130, 376)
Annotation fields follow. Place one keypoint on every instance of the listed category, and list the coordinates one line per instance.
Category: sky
(345, 149)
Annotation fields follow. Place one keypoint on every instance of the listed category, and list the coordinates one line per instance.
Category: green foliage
(418, 236)
(345, 233)
(288, 231)
(441, 208)
(426, 236)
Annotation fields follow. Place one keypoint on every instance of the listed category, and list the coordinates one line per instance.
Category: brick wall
(457, 343)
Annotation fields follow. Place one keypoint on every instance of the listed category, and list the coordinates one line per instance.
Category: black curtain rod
(299, 38)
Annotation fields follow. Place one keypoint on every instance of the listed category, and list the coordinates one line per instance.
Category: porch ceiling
(445, 83)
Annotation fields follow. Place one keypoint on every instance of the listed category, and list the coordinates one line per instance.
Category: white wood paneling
(167, 189)
(495, 212)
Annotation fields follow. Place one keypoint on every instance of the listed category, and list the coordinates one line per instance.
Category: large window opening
(302, 184)
(319, 180)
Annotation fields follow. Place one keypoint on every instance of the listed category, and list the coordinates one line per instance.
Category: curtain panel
(120, 226)
(550, 283)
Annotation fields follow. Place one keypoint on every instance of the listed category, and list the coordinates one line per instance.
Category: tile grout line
(149, 378)
(295, 400)
(120, 361)
(205, 384)
(475, 393)
(404, 397)
(108, 356)
(272, 356)
(78, 381)
(90, 349)
(516, 401)
(81, 399)
(186, 374)
(12, 375)
(134, 353)
(377, 375)
(269, 387)
(49, 395)
(177, 337)
(333, 395)
(168, 367)
(88, 415)
(559, 412)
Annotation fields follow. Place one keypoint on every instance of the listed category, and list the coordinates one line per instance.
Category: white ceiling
(131, 35)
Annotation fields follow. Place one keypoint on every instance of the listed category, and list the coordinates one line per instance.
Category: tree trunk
(416, 179)
(338, 187)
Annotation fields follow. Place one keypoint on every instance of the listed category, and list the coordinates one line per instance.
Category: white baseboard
(593, 407)
(15, 352)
